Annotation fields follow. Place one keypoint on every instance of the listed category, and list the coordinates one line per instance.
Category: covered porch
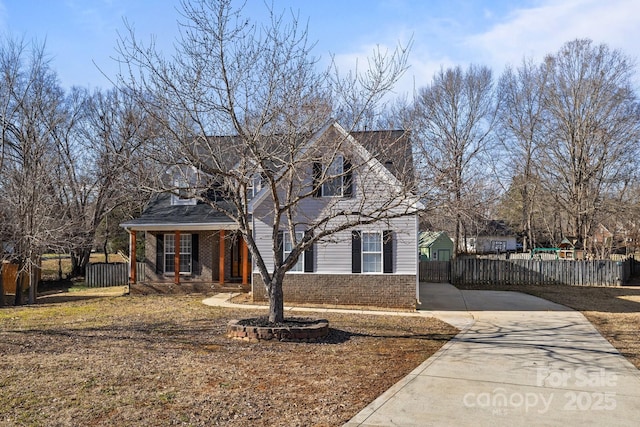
(189, 254)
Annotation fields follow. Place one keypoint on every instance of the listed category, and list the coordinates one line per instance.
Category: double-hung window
(334, 179)
(254, 186)
(371, 252)
(333, 185)
(287, 247)
(186, 251)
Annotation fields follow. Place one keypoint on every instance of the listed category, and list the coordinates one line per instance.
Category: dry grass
(614, 311)
(165, 360)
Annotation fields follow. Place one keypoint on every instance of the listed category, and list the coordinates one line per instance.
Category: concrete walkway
(519, 361)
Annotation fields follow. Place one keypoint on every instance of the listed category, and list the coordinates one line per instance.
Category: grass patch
(165, 360)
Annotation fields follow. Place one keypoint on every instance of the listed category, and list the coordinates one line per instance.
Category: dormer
(182, 182)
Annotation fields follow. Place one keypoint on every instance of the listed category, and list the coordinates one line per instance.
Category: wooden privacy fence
(9, 277)
(537, 272)
(103, 275)
(435, 271)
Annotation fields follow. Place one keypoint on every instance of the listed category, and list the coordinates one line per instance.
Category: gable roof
(428, 238)
(386, 172)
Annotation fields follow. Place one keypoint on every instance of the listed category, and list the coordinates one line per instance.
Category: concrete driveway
(519, 360)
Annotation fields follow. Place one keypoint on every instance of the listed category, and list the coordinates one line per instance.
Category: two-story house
(374, 262)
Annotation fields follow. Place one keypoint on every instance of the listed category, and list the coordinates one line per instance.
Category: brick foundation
(393, 291)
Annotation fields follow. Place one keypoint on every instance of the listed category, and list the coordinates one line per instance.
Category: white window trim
(178, 199)
(328, 171)
(173, 273)
(254, 187)
(363, 253)
(285, 253)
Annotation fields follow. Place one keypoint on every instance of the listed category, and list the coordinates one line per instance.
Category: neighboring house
(368, 265)
(492, 236)
(435, 246)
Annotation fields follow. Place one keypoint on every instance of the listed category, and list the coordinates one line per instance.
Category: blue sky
(81, 35)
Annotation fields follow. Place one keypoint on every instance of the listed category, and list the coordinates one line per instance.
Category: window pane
(333, 186)
(371, 252)
(169, 265)
(287, 246)
(371, 242)
(371, 263)
(169, 243)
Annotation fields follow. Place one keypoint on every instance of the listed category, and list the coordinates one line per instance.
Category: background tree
(520, 130)
(31, 105)
(591, 130)
(101, 165)
(453, 119)
(260, 85)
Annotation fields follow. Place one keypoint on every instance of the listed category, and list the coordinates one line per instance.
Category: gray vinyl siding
(334, 256)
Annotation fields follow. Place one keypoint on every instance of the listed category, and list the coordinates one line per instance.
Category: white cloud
(537, 31)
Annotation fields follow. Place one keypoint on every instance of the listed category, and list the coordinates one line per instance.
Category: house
(493, 236)
(435, 246)
(370, 264)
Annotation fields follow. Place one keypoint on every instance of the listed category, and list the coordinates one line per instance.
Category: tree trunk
(33, 282)
(79, 261)
(1, 287)
(106, 252)
(18, 298)
(276, 301)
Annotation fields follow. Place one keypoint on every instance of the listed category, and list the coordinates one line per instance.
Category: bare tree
(521, 132)
(261, 86)
(592, 130)
(454, 117)
(31, 104)
(100, 164)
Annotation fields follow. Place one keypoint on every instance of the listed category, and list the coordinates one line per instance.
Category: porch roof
(160, 215)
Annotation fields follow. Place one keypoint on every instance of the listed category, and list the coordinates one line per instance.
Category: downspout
(417, 260)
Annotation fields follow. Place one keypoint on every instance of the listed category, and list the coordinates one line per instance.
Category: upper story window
(254, 186)
(182, 194)
(333, 180)
(334, 184)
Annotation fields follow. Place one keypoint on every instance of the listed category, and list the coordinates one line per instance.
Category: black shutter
(159, 253)
(279, 247)
(308, 259)
(387, 251)
(195, 254)
(317, 176)
(347, 190)
(356, 251)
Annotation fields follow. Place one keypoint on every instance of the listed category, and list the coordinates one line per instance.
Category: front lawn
(164, 360)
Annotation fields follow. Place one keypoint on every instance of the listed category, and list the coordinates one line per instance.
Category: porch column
(132, 257)
(245, 263)
(176, 259)
(221, 258)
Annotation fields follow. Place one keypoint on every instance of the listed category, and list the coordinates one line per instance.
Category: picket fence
(101, 275)
(471, 271)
